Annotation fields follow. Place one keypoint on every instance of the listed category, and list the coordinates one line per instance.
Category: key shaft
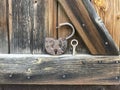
(74, 44)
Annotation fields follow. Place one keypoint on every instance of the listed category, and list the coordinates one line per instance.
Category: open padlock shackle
(70, 25)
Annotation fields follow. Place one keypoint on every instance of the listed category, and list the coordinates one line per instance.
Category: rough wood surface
(9, 21)
(22, 26)
(67, 69)
(79, 16)
(59, 87)
(109, 11)
(39, 26)
(3, 27)
(27, 32)
(52, 18)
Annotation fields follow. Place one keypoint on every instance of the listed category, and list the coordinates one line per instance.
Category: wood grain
(21, 26)
(28, 27)
(59, 87)
(79, 16)
(67, 69)
(39, 26)
(52, 18)
(9, 21)
(109, 11)
(3, 27)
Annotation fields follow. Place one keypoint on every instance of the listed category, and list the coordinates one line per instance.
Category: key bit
(74, 44)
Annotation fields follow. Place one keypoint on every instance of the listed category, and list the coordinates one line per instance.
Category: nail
(99, 62)
(117, 78)
(28, 77)
(106, 43)
(64, 76)
(117, 62)
(83, 25)
(10, 75)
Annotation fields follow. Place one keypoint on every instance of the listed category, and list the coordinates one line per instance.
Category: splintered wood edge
(59, 70)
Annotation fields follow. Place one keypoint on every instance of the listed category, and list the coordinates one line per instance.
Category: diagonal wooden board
(89, 26)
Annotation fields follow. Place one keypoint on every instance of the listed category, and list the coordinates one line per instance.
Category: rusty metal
(58, 46)
(70, 25)
(55, 47)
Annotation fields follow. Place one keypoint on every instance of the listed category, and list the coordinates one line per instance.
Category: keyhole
(55, 51)
(35, 1)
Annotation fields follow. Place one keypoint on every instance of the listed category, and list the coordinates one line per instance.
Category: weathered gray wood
(22, 26)
(29, 23)
(3, 28)
(39, 25)
(67, 69)
(60, 87)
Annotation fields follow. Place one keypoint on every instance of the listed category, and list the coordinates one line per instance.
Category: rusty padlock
(58, 46)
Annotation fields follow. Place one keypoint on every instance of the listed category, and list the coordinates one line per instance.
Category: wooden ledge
(65, 70)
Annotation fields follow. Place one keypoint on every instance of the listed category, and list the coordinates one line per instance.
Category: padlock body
(55, 46)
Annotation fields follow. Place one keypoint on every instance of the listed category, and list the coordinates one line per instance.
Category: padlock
(58, 46)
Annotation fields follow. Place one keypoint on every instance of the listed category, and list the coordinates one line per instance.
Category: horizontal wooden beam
(65, 70)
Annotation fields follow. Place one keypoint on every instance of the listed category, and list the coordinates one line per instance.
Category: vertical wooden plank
(50, 18)
(32, 20)
(52, 14)
(38, 31)
(44, 23)
(109, 11)
(9, 2)
(39, 25)
(21, 26)
(66, 31)
(1, 88)
(3, 28)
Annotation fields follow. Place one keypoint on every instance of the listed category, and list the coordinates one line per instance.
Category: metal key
(74, 44)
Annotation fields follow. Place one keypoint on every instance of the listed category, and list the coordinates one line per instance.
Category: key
(74, 44)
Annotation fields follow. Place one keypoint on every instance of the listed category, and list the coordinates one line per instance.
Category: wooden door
(26, 23)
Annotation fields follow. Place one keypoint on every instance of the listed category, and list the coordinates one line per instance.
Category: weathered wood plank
(33, 20)
(9, 15)
(3, 27)
(39, 26)
(59, 87)
(52, 18)
(45, 17)
(66, 69)
(92, 31)
(108, 9)
(21, 26)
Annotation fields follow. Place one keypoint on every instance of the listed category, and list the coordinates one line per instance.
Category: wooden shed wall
(24, 24)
